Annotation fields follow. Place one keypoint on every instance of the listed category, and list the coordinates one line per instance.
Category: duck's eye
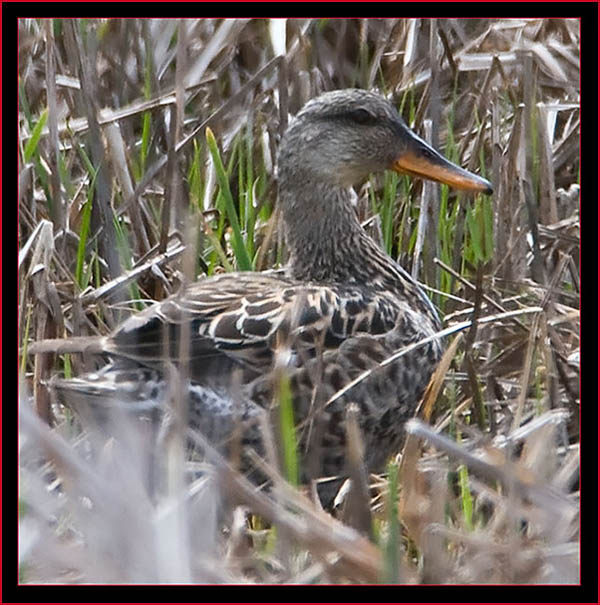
(362, 116)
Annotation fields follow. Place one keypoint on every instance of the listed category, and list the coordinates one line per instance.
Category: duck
(327, 321)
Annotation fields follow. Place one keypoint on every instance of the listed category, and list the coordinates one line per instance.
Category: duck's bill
(421, 160)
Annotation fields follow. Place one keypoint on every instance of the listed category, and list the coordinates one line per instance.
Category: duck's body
(340, 307)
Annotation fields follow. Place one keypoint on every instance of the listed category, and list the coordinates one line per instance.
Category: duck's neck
(328, 245)
(323, 235)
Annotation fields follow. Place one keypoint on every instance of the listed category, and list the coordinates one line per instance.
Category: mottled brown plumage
(339, 308)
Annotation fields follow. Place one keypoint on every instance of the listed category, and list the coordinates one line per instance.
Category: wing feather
(246, 316)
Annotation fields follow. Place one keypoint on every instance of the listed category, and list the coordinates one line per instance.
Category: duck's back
(233, 336)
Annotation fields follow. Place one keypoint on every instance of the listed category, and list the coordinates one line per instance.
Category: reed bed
(147, 159)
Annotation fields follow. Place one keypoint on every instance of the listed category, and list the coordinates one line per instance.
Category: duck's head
(342, 136)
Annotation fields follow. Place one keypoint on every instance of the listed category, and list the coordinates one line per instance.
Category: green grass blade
(218, 251)
(32, 144)
(288, 431)
(85, 221)
(249, 188)
(243, 259)
(388, 203)
(83, 235)
(145, 142)
(466, 496)
(125, 255)
(488, 223)
(391, 547)
(195, 180)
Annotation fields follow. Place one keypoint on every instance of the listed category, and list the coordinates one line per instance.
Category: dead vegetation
(115, 175)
